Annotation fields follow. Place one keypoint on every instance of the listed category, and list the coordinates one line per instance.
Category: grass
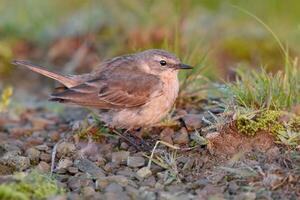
(261, 90)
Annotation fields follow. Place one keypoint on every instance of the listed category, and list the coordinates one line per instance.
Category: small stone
(166, 135)
(89, 167)
(72, 170)
(132, 192)
(64, 163)
(42, 147)
(58, 197)
(45, 157)
(77, 182)
(114, 187)
(193, 121)
(11, 162)
(65, 149)
(246, 196)
(88, 191)
(43, 167)
(144, 172)
(119, 157)
(33, 154)
(135, 161)
(116, 195)
(181, 137)
(121, 180)
(124, 146)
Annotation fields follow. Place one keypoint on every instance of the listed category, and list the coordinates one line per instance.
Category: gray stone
(121, 180)
(135, 161)
(116, 196)
(119, 157)
(45, 157)
(181, 137)
(11, 162)
(65, 149)
(114, 187)
(33, 154)
(89, 167)
(43, 167)
(144, 172)
(193, 121)
(64, 163)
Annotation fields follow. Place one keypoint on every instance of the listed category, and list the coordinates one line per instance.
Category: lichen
(32, 186)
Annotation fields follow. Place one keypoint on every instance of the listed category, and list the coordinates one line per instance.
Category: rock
(132, 192)
(11, 161)
(45, 157)
(65, 149)
(119, 157)
(33, 154)
(43, 167)
(181, 137)
(89, 167)
(135, 161)
(114, 187)
(116, 196)
(88, 191)
(64, 163)
(58, 197)
(145, 193)
(75, 183)
(72, 170)
(166, 135)
(121, 180)
(124, 146)
(144, 172)
(246, 196)
(193, 121)
(42, 147)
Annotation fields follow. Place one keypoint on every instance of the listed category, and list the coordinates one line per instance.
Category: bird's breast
(158, 106)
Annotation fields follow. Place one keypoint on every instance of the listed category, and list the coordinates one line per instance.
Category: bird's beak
(184, 66)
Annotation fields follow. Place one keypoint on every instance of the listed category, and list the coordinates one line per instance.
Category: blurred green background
(72, 36)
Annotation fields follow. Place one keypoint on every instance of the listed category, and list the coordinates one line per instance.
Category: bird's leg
(131, 138)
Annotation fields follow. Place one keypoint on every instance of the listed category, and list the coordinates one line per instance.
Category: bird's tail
(67, 81)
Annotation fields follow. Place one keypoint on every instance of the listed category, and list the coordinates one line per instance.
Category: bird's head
(159, 61)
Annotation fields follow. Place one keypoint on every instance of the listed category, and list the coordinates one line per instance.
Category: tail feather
(65, 80)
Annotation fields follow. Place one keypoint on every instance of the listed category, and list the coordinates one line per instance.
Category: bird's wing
(116, 88)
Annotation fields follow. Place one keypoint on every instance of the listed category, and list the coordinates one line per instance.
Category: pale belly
(150, 113)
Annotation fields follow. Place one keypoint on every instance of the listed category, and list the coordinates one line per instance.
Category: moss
(32, 186)
(265, 121)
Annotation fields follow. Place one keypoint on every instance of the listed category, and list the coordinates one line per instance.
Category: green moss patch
(32, 186)
(285, 130)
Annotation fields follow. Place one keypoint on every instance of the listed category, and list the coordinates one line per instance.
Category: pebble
(65, 149)
(135, 161)
(245, 196)
(181, 137)
(45, 157)
(121, 180)
(88, 191)
(116, 196)
(89, 167)
(72, 170)
(64, 163)
(119, 157)
(114, 187)
(166, 135)
(144, 172)
(75, 183)
(193, 121)
(43, 167)
(33, 154)
(11, 162)
(42, 147)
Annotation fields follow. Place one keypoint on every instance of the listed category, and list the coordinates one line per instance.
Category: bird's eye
(163, 63)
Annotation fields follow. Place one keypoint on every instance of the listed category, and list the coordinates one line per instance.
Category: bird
(130, 91)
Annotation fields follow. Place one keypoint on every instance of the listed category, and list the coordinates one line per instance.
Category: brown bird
(136, 90)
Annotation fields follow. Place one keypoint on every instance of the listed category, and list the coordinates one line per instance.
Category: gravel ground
(93, 162)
